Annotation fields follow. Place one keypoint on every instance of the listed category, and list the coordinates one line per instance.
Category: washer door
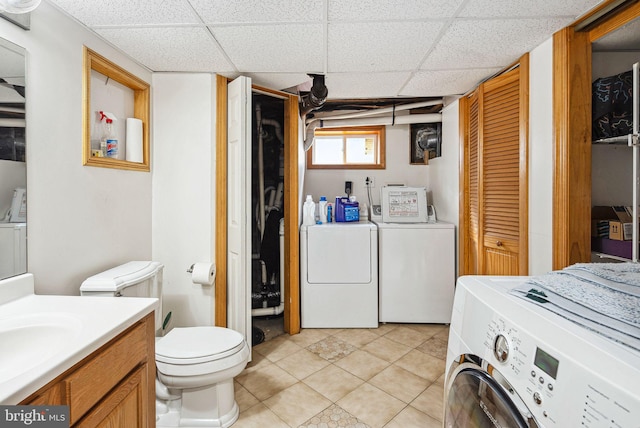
(475, 399)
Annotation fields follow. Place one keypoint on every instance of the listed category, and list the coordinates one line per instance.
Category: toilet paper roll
(133, 142)
(203, 273)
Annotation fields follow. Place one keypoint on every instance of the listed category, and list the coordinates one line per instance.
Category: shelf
(94, 62)
(621, 140)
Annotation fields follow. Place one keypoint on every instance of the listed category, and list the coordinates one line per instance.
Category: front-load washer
(339, 275)
(511, 363)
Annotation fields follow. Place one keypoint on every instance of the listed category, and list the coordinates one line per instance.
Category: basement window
(348, 148)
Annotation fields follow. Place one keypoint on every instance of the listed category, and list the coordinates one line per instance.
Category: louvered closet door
(471, 180)
(500, 191)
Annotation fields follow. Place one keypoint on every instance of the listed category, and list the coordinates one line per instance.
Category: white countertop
(95, 320)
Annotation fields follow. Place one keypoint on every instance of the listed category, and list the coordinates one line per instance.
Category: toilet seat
(195, 345)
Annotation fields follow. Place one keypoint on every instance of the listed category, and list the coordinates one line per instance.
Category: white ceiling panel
(170, 48)
(274, 48)
(530, 8)
(278, 81)
(234, 11)
(365, 48)
(375, 10)
(391, 46)
(362, 85)
(489, 43)
(449, 82)
(127, 12)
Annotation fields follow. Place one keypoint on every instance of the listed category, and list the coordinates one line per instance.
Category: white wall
(444, 175)
(330, 183)
(81, 220)
(184, 190)
(541, 153)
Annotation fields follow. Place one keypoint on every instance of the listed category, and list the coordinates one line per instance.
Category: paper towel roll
(203, 273)
(133, 142)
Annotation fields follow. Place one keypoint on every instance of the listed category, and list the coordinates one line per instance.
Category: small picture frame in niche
(426, 142)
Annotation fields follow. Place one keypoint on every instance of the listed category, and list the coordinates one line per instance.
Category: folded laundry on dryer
(603, 297)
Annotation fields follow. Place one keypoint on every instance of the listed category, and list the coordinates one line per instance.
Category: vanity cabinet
(114, 386)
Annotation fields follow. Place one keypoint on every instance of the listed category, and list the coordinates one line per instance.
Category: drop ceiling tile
(278, 81)
(445, 82)
(127, 12)
(538, 8)
(233, 11)
(170, 48)
(489, 43)
(364, 85)
(376, 10)
(391, 46)
(273, 48)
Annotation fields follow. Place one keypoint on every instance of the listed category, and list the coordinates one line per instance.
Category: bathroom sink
(31, 339)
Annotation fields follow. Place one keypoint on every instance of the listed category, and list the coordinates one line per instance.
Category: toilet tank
(132, 279)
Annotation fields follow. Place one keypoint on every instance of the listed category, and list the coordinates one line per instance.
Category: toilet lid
(198, 344)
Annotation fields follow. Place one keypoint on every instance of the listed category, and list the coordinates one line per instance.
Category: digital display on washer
(546, 363)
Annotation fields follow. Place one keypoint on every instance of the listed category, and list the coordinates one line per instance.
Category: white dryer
(339, 275)
(511, 363)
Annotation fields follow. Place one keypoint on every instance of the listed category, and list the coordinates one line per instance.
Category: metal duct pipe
(380, 111)
(383, 120)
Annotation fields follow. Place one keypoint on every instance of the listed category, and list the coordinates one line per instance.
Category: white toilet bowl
(197, 366)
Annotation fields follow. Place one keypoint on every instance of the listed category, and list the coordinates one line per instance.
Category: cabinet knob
(499, 243)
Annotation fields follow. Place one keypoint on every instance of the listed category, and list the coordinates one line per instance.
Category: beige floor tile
(384, 328)
(331, 348)
(435, 346)
(266, 382)
(441, 380)
(333, 382)
(302, 364)
(358, 337)
(386, 349)
(429, 329)
(400, 383)
(362, 364)
(334, 416)
(444, 334)
(244, 398)
(371, 405)
(421, 364)
(257, 362)
(431, 401)
(259, 416)
(277, 348)
(297, 404)
(408, 336)
(410, 417)
(308, 336)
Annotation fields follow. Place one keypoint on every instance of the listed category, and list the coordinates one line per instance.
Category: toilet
(195, 366)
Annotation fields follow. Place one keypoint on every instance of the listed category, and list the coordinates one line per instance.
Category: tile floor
(391, 377)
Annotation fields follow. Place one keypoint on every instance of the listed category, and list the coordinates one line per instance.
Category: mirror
(13, 171)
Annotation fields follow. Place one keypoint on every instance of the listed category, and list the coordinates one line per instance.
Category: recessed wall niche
(114, 88)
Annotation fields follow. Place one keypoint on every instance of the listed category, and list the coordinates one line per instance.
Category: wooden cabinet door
(494, 211)
(125, 406)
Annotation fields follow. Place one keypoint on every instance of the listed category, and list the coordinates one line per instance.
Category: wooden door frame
(291, 237)
(572, 129)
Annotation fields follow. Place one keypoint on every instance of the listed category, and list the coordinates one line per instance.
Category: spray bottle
(108, 142)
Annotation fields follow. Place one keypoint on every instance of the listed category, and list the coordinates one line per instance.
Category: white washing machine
(417, 272)
(511, 363)
(339, 275)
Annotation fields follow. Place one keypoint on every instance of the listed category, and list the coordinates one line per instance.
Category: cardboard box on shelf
(611, 222)
(620, 229)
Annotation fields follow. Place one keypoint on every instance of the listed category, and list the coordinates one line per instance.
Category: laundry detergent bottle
(309, 211)
(322, 209)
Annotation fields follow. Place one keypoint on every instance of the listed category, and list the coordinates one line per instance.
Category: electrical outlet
(348, 186)
(369, 182)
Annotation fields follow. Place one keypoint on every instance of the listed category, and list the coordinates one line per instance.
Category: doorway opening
(267, 227)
